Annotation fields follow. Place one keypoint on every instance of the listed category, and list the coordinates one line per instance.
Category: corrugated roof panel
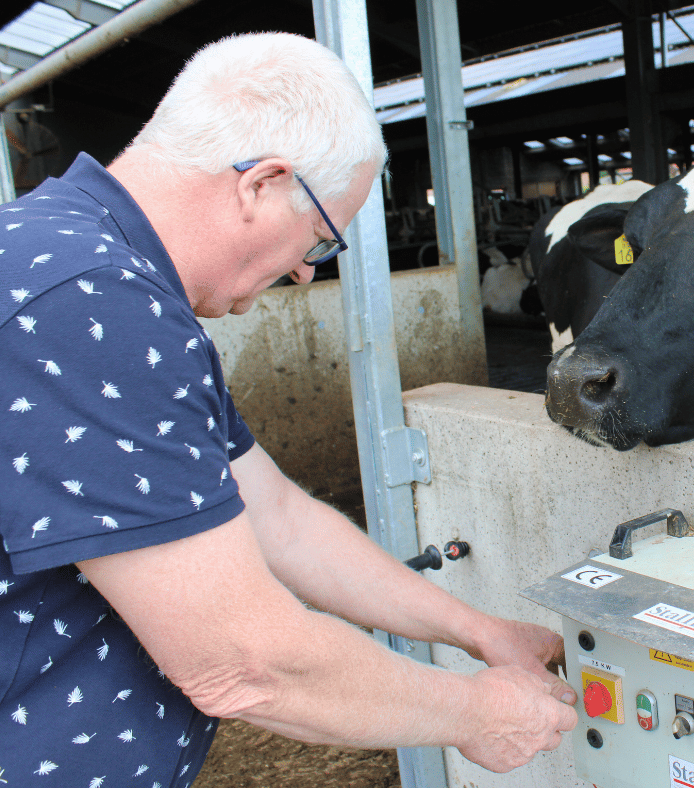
(510, 76)
(41, 29)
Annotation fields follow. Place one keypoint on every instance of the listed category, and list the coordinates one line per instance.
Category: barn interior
(546, 123)
(542, 133)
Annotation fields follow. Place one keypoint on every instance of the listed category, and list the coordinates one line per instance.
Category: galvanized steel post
(384, 443)
(7, 192)
(449, 156)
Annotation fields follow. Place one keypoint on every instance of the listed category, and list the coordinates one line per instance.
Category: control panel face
(635, 709)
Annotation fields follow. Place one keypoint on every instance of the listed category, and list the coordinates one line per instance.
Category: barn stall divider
(285, 363)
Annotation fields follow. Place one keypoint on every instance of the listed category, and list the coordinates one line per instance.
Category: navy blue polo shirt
(116, 432)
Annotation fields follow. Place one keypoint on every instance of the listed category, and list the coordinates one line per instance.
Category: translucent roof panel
(43, 28)
(555, 64)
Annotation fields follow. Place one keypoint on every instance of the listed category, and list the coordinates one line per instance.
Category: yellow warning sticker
(623, 253)
(671, 659)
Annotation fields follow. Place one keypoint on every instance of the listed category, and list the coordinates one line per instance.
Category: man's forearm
(327, 561)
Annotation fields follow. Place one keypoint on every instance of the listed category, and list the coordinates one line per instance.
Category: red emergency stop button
(596, 699)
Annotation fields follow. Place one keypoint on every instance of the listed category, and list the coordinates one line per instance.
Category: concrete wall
(285, 363)
(531, 500)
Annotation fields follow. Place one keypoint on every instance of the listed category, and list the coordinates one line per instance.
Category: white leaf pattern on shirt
(27, 323)
(164, 427)
(127, 445)
(97, 330)
(102, 651)
(42, 258)
(73, 486)
(22, 405)
(153, 357)
(74, 433)
(40, 525)
(75, 696)
(194, 452)
(21, 463)
(110, 391)
(87, 287)
(155, 306)
(196, 499)
(20, 295)
(20, 716)
(143, 484)
(83, 738)
(46, 767)
(51, 367)
(109, 522)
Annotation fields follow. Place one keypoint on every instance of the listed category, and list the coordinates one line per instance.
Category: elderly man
(154, 557)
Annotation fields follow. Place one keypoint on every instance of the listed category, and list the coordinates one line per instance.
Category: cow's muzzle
(587, 394)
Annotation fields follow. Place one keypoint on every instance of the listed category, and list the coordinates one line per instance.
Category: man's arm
(222, 628)
(317, 553)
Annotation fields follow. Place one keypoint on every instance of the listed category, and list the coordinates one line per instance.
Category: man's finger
(560, 690)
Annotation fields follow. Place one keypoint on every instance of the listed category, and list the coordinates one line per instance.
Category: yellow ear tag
(623, 253)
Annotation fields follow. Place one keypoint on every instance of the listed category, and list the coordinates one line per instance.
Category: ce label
(591, 576)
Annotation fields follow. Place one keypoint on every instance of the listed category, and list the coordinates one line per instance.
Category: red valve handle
(596, 699)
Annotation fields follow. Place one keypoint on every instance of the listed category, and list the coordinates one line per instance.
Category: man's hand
(512, 716)
(530, 646)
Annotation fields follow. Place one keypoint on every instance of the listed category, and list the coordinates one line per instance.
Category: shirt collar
(87, 175)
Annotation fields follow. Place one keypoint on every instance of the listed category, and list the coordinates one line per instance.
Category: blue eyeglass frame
(338, 242)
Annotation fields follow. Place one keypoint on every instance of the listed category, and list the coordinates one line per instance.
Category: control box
(628, 625)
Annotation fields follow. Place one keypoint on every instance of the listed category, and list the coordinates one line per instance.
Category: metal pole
(389, 453)
(449, 157)
(123, 26)
(7, 192)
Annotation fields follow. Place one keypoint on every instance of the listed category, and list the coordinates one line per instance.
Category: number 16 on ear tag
(623, 253)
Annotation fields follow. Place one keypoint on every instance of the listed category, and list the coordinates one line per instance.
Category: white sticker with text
(681, 772)
(591, 576)
(668, 617)
(596, 663)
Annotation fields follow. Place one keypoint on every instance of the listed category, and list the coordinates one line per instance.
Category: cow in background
(629, 375)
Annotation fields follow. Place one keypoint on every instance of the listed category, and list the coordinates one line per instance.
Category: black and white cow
(571, 284)
(629, 375)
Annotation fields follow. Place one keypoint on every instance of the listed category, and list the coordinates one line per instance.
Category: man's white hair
(262, 95)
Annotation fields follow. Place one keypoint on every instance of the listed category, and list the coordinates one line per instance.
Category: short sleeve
(115, 422)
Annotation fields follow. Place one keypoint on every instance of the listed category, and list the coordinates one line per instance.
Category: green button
(642, 702)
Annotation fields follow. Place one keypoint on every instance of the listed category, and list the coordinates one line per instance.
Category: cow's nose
(581, 389)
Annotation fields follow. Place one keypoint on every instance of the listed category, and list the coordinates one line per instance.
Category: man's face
(287, 237)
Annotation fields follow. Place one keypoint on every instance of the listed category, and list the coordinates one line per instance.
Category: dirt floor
(244, 756)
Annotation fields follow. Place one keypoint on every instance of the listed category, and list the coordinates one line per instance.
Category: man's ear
(252, 185)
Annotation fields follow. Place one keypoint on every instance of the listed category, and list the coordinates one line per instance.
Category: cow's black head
(629, 376)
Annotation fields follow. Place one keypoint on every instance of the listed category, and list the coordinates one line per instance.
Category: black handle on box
(620, 546)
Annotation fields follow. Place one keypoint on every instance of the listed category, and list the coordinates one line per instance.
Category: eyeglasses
(324, 250)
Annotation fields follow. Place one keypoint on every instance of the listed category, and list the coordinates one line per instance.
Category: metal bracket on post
(406, 456)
